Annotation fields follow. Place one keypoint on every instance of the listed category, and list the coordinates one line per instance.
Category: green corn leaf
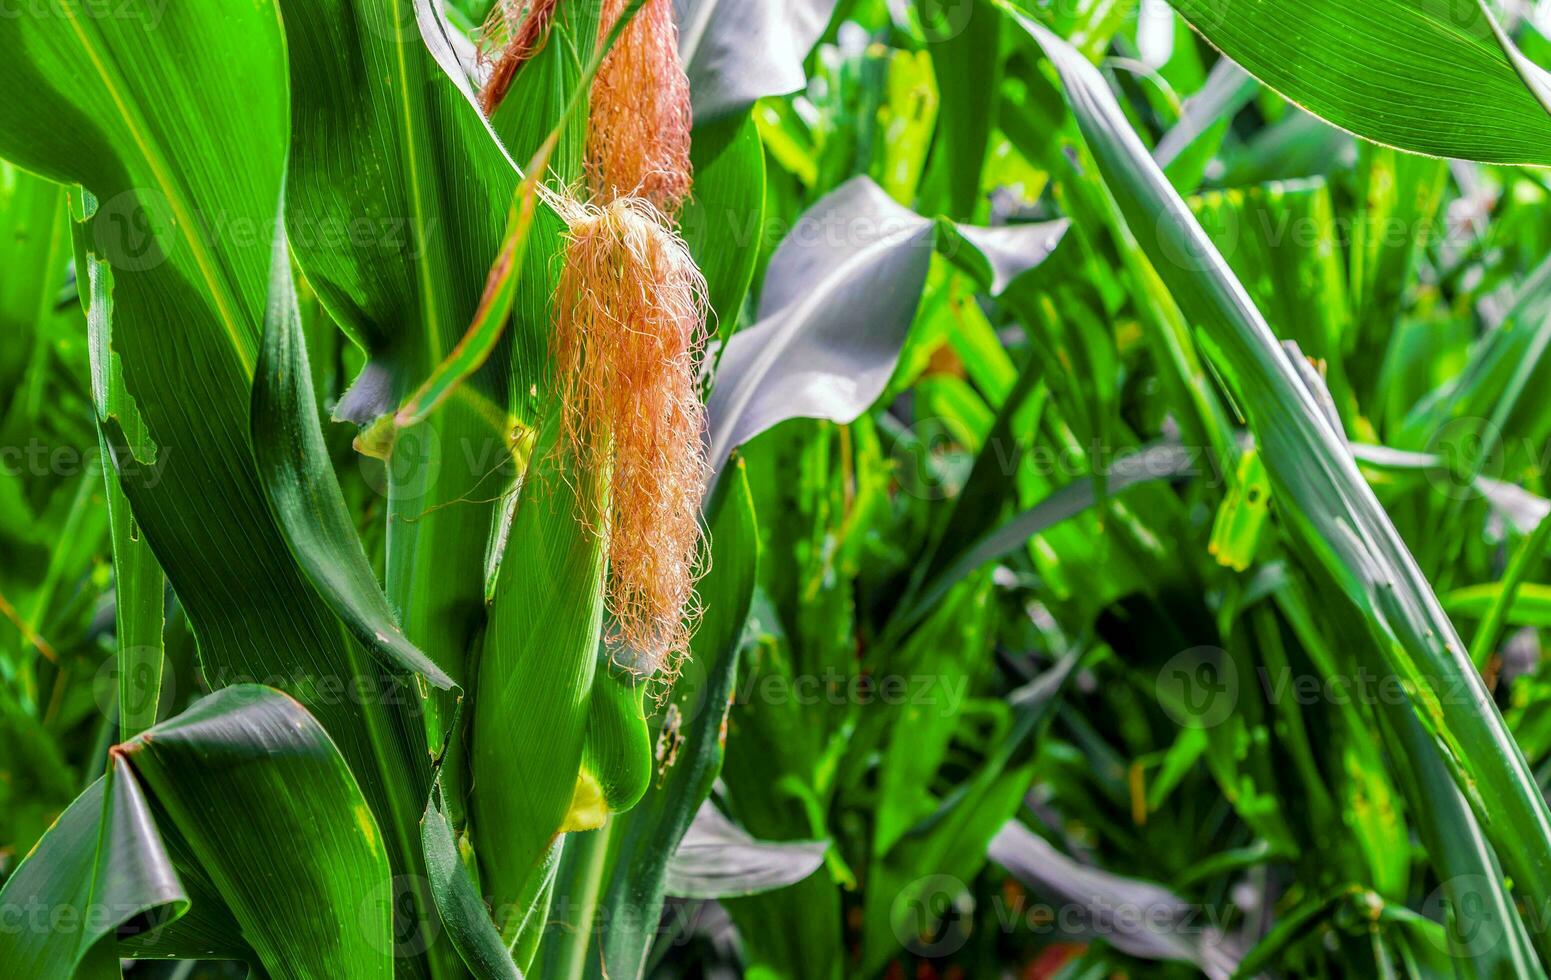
(1531, 605)
(1428, 76)
(34, 251)
(369, 98)
(1242, 516)
(964, 41)
(244, 780)
(61, 876)
(181, 216)
(302, 490)
(139, 586)
(463, 912)
(726, 209)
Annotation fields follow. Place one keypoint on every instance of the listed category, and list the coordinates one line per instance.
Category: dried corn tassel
(629, 319)
(638, 136)
(512, 34)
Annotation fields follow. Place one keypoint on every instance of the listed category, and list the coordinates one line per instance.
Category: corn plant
(608, 488)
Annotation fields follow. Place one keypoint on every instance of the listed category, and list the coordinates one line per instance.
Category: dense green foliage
(1125, 538)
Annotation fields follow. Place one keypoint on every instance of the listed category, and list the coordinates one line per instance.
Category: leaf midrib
(169, 189)
(433, 333)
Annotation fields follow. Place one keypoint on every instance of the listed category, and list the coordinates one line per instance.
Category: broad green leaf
(1242, 516)
(724, 221)
(33, 250)
(965, 41)
(1430, 76)
(103, 854)
(302, 490)
(183, 196)
(244, 797)
(1486, 936)
(369, 98)
(252, 782)
(139, 587)
(545, 86)
(463, 912)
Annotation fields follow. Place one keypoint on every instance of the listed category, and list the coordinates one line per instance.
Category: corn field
(787, 489)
